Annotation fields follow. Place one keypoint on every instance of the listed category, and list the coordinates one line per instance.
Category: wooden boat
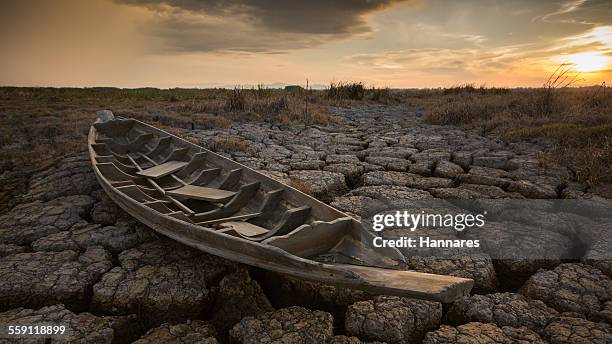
(219, 206)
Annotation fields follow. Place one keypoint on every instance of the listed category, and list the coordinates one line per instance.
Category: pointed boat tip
(412, 284)
(105, 115)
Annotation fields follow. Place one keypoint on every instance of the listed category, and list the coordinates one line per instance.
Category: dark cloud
(182, 33)
(256, 25)
(312, 16)
(588, 12)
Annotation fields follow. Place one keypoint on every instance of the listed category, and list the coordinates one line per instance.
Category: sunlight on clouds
(395, 43)
(588, 53)
(587, 62)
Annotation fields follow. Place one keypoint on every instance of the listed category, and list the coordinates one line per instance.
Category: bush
(346, 90)
(235, 101)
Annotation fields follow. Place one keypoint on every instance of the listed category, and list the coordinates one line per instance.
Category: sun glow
(587, 62)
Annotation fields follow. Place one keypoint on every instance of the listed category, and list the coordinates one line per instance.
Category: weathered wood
(231, 218)
(242, 197)
(312, 240)
(245, 228)
(203, 193)
(162, 170)
(227, 181)
(163, 192)
(162, 145)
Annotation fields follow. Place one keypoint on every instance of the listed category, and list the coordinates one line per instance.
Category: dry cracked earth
(69, 255)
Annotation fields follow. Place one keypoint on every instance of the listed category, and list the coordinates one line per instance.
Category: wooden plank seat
(194, 173)
(292, 219)
(235, 204)
(162, 170)
(246, 228)
(203, 193)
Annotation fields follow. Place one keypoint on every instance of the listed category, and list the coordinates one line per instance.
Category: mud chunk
(420, 182)
(340, 159)
(532, 190)
(404, 179)
(306, 165)
(489, 191)
(9, 249)
(69, 176)
(323, 185)
(122, 236)
(478, 267)
(489, 172)
(162, 281)
(81, 328)
(391, 164)
(455, 193)
(392, 152)
(491, 161)
(503, 309)
(190, 332)
(105, 212)
(569, 330)
(470, 178)
(393, 319)
(28, 222)
(520, 249)
(239, 296)
(432, 155)
(479, 333)
(572, 287)
(463, 159)
(446, 169)
(290, 289)
(353, 205)
(45, 278)
(352, 173)
(391, 193)
(348, 340)
(292, 325)
(422, 168)
(385, 178)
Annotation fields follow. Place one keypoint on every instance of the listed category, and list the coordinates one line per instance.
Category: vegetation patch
(574, 123)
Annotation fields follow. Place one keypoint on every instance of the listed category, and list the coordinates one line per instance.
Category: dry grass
(573, 123)
(300, 185)
(230, 145)
(37, 124)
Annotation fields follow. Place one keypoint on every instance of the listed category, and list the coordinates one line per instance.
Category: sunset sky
(385, 43)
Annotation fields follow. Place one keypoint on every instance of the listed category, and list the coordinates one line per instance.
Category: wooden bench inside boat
(162, 170)
(203, 193)
(291, 219)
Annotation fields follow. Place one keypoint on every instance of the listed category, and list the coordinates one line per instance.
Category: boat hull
(369, 279)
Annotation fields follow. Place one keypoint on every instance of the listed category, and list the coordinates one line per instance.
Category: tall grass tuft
(346, 91)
